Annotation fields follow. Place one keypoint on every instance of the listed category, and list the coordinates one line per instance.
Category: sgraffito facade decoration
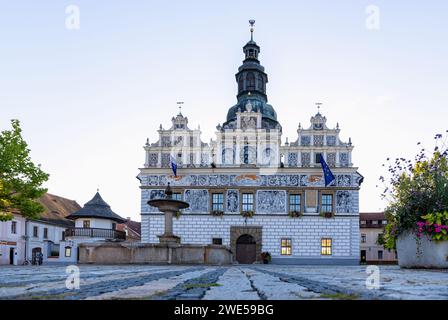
(251, 169)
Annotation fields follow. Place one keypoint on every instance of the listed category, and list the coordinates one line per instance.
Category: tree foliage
(20, 179)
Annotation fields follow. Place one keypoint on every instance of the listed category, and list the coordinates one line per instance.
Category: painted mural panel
(198, 200)
(271, 201)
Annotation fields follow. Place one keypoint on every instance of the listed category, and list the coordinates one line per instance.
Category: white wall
(9, 240)
(94, 223)
(54, 234)
(305, 232)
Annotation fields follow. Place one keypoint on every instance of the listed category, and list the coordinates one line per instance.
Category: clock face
(318, 126)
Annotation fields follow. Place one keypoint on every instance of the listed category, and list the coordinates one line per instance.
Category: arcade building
(251, 192)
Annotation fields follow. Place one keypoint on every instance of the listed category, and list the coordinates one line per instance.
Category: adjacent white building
(93, 223)
(12, 240)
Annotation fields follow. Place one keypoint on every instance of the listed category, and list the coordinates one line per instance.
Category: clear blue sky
(89, 98)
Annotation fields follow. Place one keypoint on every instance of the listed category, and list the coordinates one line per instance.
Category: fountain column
(169, 207)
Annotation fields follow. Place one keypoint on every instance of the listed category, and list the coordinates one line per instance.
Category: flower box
(294, 214)
(247, 214)
(327, 214)
(217, 213)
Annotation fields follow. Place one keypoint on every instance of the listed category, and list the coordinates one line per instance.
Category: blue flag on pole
(173, 165)
(328, 175)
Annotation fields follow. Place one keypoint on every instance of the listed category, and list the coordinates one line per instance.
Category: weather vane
(180, 103)
(318, 104)
(251, 22)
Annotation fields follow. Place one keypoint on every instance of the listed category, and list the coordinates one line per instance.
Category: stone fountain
(169, 250)
(169, 207)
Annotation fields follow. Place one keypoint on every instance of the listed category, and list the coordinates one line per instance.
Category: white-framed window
(13, 227)
(217, 201)
(286, 247)
(327, 203)
(363, 238)
(35, 231)
(326, 246)
(248, 202)
(68, 252)
(86, 223)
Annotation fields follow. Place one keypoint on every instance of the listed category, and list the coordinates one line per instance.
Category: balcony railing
(95, 233)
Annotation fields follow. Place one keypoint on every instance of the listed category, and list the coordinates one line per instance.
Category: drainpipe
(26, 239)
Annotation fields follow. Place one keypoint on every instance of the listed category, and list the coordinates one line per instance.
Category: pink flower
(438, 229)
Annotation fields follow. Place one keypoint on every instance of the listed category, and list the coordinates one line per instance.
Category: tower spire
(251, 22)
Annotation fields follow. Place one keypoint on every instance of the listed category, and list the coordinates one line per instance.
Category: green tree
(20, 179)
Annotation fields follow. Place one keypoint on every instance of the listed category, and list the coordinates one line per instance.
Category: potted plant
(294, 214)
(327, 214)
(217, 213)
(247, 214)
(417, 211)
(266, 257)
(177, 214)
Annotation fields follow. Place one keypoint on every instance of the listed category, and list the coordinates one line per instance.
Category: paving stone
(234, 282)
(233, 285)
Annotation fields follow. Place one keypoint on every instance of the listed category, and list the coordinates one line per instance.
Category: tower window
(250, 81)
(260, 84)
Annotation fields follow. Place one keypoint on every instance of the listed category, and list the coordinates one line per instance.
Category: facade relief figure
(232, 201)
(343, 202)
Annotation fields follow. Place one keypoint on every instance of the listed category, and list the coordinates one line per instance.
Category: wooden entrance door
(245, 249)
(11, 255)
(363, 256)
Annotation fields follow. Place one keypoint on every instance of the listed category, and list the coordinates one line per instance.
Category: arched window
(260, 84)
(246, 155)
(227, 156)
(241, 83)
(250, 81)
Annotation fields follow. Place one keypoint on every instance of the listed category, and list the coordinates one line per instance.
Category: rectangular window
(363, 238)
(14, 227)
(286, 247)
(380, 254)
(326, 246)
(86, 223)
(217, 202)
(114, 226)
(217, 241)
(68, 252)
(45, 233)
(248, 202)
(317, 156)
(177, 195)
(294, 203)
(327, 203)
(35, 232)
(63, 236)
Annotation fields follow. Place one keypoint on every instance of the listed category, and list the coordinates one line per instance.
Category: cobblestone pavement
(248, 282)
